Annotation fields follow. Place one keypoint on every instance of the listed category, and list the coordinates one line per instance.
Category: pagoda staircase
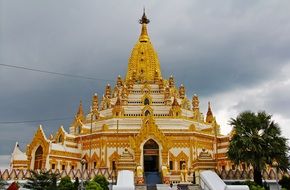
(151, 179)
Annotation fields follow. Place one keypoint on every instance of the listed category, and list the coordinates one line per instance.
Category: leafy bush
(2, 183)
(285, 182)
(92, 185)
(253, 186)
(102, 181)
(65, 184)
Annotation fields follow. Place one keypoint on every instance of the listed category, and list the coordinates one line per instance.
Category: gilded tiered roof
(143, 63)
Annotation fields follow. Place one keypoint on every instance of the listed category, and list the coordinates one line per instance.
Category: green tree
(44, 180)
(92, 185)
(257, 141)
(76, 184)
(65, 184)
(102, 180)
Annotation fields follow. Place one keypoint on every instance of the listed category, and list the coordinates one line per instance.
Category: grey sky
(235, 54)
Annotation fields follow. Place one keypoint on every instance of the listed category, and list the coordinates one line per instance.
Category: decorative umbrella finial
(144, 19)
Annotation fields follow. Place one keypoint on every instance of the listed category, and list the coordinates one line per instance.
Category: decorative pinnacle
(144, 19)
(209, 106)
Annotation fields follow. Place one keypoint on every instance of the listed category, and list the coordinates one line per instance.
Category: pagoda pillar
(137, 157)
(164, 157)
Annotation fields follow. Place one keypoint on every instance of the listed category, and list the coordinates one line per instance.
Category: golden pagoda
(143, 115)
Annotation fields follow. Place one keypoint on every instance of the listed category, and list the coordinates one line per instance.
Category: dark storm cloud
(227, 47)
(272, 96)
(211, 47)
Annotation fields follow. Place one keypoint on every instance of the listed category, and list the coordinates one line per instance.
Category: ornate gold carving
(171, 157)
(147, 111)
(124, 95)
(71, 146)
(65, 154)
(63, 162)
(171, 82)
(60, 136)
(119, 83)
(79, 120)
(106, 103)
(143, 64)
(149, 130)
(105, 127)
(175, 110)
(108, 91)
(95, 158)
(86, 157)
(192, 127)
(161, 84)
(195, 108)
(181, 157)
(167, 99)
(114, 157)
(39, 139)
(204, 155)
(181, 91)
(118, 109)
(185, 104)
(70, 139)
(95, 107)
(146, 89)
(73, 164)
(126, 161)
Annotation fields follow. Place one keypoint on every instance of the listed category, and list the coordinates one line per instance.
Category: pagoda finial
(209, 114)
(80, 109)
(80, 116)
(144, 19)
(144, 34)
(95, 103)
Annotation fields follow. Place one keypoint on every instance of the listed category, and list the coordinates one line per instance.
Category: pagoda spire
(80, 110)
(144, 34)
(144, 66)
(209, 114)
(79, 116)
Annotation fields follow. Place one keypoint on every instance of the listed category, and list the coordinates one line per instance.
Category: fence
(73, 174)
(111, 174)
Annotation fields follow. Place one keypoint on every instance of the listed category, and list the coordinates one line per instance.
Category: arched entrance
(151, 156)
(38, 159)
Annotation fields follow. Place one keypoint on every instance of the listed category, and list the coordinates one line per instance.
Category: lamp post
(83, 162)
(275, 165)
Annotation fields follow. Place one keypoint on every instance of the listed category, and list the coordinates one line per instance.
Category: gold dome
(143, 63)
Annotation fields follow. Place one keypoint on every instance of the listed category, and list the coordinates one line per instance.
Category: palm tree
(257, 141)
